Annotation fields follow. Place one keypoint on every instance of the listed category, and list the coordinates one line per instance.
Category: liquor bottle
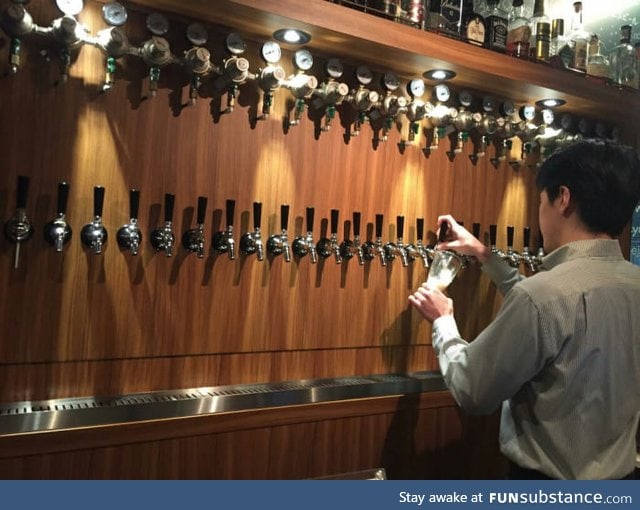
(518, 32)
(597, 63)
(473, 25)
(557, 36)
(445, 17)
(412, 12)
(496, 26)
(579, 39)
(538, 18)
(623, 61)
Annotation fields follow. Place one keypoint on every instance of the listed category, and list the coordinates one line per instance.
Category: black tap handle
(63, 196)
(442, 236)
(510, 232)
(356, 223)
(379, 220)
(540, 239)
(476, 230)
(493, 234)
(461, 223)
(169, 201)
(134, 203)
(526, 235)
(202, 210)
(98, 200)
(419, 229)
(284, 216)
(257, 215)
(231, 208)
(23, 190)
(334, 220)
(400, 224)
(310, 215)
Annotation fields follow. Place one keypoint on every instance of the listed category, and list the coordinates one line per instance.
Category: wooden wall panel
(76, 323)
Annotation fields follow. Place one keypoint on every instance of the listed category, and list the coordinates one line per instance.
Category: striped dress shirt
(562, 356)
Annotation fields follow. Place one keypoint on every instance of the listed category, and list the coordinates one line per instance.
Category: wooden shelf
(384, 45)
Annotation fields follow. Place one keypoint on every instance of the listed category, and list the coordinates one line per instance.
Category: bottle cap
(543, 28)
(557, 27)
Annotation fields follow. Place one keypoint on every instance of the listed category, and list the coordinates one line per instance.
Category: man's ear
(564, 200)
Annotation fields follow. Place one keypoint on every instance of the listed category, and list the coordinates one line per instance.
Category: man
(562, 355)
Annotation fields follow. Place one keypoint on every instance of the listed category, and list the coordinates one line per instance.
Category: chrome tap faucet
(303, 245)
(528, 257)
(94, 235)
(163, 238)
(223, 240)
(493, 234)
(58, 232)
(512, 257)
(349, 248)
(391, 250)
(278, 244)
(193, 239)
(371, 249)
(419, 250)
(129, 236)
(328, 246)
(19, 229)
(251, 242)
(540, 253)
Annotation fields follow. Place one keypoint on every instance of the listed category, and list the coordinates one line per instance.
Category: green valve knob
(299, 105)
(15, 45)
(415, 127)
(111, 65)
(441, 132)
(154, 73)
(331, 111)
(464, 136)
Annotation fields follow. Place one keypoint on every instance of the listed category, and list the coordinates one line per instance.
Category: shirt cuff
(444, 328)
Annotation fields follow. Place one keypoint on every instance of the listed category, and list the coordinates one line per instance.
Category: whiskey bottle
(623, 61)
(445, 17)
(539, 18)
(518, 31)
(473, 26)
(597, 63)
(496, 26)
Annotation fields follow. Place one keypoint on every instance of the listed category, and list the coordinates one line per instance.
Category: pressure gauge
(508, 108)
(303, 59)
(416, 87)
(488, 104)
(363, 74)
(441, 93)
(235, 44)
(70, 7)
(390, 81)
(527, 112)
(157, 23)
(114, 14)
(547, 117)
(465, 98)
(271, 52)
(197, 34)
(334, 68)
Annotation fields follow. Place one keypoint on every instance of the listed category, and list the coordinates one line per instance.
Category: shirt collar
(600, 248)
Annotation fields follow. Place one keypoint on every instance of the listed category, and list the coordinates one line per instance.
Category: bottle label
(475, 31)
(497, 33)
(451, 16)
(580, 56)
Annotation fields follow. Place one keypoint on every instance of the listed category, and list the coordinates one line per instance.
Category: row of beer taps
(94, 234)
(488, 120)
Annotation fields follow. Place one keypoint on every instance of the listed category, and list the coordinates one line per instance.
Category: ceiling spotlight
(439, 74)
(291, 36)
(550, 103)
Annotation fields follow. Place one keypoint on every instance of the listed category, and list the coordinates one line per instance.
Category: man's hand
(431, 303)
(462, 241)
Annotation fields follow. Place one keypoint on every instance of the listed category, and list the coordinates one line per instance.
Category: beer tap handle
(202, 210)
(476, 230)
(22, 192)
(257, 215)
(134, 203)
(98, 201)
(420, 229)
(526, 235)
(379, 220)
(169, 201)
(310, 216)
(442, 235)
(356, 224)
(284, 217)
(493, 235)
(510, 234)
(63, 196)
(334, 221)
(400, 225)
(230, 210)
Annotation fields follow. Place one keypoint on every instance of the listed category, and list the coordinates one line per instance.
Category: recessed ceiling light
(550, 103)
(439, 74)
(291, 36)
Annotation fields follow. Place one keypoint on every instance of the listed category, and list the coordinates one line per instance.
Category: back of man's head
(603, 178)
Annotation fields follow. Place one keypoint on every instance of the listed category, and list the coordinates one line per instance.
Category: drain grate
(20, 417)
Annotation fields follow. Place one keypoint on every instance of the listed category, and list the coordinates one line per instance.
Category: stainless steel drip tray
(58, 414)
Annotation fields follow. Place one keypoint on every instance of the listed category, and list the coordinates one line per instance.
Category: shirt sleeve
(492, 368)
(501, 273)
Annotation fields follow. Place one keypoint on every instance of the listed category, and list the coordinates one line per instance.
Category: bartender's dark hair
(604, 180)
